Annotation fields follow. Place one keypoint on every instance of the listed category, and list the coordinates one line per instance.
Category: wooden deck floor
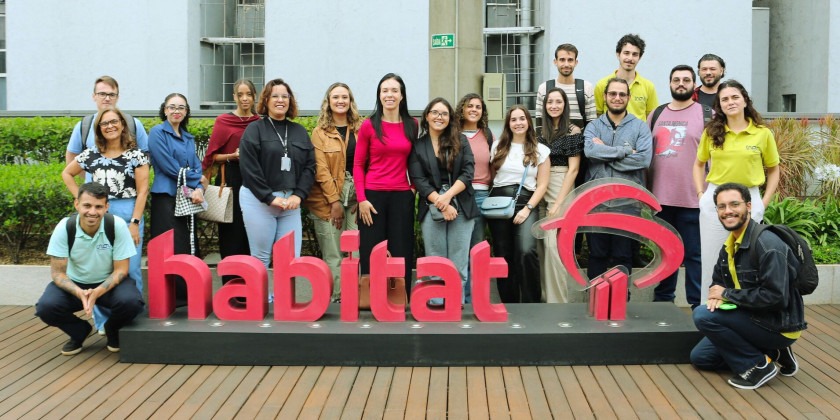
(37, 382)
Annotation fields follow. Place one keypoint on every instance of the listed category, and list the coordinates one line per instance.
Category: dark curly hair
(716, 128)
(162, 114)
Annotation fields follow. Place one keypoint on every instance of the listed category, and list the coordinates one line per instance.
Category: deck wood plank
(298, 395)
(261, 393)
(355, 407)
(476, 393)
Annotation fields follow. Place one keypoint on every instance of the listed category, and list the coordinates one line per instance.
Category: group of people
(354, 173)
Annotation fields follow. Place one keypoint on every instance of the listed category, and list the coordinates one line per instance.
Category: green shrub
(31, 140)
(799, 215)
(32, 200)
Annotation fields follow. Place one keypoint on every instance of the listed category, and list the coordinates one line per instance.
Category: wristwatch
(135, 220)
(530, 206)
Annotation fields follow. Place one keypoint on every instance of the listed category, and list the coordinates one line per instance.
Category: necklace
(282, 140)
(241, 118)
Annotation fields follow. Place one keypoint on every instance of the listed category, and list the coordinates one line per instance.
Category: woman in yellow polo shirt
(738, 148)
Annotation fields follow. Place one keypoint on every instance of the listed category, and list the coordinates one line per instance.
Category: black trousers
(518, 247)
(393, 222)
(163, 219)
(56, 307)
(233, 240)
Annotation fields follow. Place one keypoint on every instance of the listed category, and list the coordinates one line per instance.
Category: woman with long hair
(471, 114)
(120, 165)
(223, 150)
(565, 142)
(739, 148)
(171, 148)
(332, 202)
(386, 202)
(278, 169)
(516, 153)
(441, 168)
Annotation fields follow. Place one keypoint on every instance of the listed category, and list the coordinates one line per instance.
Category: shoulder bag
(219, 202)
(501, 207)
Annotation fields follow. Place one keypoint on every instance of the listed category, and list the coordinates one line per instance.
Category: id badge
(285, 163)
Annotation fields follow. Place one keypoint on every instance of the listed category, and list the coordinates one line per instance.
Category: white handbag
(219, 202)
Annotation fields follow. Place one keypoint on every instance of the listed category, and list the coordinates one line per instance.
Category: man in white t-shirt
(676, 128)
(580, 112)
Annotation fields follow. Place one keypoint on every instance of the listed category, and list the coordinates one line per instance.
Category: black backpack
(71, 230)
(807, 277)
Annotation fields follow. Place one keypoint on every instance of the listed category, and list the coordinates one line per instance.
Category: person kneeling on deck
(88, 263)
(754, 314)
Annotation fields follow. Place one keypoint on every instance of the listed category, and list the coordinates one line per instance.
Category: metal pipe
(525, 48)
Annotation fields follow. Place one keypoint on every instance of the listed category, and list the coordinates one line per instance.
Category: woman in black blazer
(441, 167)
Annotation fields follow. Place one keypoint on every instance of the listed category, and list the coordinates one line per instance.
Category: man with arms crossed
(617, 145)
(754, 314)
(629, 51)
(89, 272)
(676, 128)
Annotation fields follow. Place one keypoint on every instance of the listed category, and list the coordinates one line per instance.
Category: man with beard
(580, 112)
(617, 145)
(629, 51)
(754, 314)
(711, 69)
(676, 128)
(89, 255)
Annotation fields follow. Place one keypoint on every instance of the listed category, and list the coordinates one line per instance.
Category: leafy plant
(800, 216)
(32, 200)
(796, 153)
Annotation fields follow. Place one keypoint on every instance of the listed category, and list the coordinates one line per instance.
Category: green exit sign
(443, 41)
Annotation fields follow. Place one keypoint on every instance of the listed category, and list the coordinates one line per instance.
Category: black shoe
(788, 366)
(113, 338)
(73, 346)
(755, 376)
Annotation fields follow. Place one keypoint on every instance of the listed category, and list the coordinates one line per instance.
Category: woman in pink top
(472, 117)
(386, 201)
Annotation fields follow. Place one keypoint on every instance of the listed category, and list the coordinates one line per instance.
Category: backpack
(88, 120)
(71, 229)
(707, 114)
(807, 277)
(579, 93)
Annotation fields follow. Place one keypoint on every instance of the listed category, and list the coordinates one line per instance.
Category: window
(788, 103)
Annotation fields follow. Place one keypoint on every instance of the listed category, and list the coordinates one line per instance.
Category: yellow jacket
(330, 161)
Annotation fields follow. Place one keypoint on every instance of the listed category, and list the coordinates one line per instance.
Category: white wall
(57, 48)
(675, 33)
(353, 42)
(833, 88)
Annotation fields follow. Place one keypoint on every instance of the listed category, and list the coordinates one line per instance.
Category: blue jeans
(449, 240)
(732, 340)
(687, 223)
(124, 209)
(477, 236)
(266, 224)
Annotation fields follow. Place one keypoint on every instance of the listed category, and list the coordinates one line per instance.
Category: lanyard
(282, 140)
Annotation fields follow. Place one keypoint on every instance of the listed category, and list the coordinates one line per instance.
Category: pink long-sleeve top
(381, 166)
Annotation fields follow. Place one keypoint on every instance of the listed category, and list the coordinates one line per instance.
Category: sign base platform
(535, 334)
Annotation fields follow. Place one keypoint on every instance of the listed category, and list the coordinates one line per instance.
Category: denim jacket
(766, 291)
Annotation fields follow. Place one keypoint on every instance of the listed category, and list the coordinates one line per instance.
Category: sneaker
(73, 346)
(788, 366)
(755, 376)
(113, 338)
(101, 331)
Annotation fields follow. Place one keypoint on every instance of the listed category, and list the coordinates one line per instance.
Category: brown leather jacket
(330, 161)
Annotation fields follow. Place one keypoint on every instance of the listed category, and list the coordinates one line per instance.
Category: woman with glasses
(386, 202)
(517, 155)
(332, 202)
(740, 149)
(120, 165)
(278, 169)
(565, 141)
(441, 167)
(223, 151)
(471, 114)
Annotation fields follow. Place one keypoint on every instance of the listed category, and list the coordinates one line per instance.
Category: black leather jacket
(766, 291)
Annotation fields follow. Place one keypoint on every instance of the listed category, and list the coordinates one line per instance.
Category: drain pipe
(525, 12)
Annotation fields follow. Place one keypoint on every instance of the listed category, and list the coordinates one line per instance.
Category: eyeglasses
(731, 204)
(435, 113)
(114, 122)
(173, 108)
(621, 95)
(284, 96)
(109, 95)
